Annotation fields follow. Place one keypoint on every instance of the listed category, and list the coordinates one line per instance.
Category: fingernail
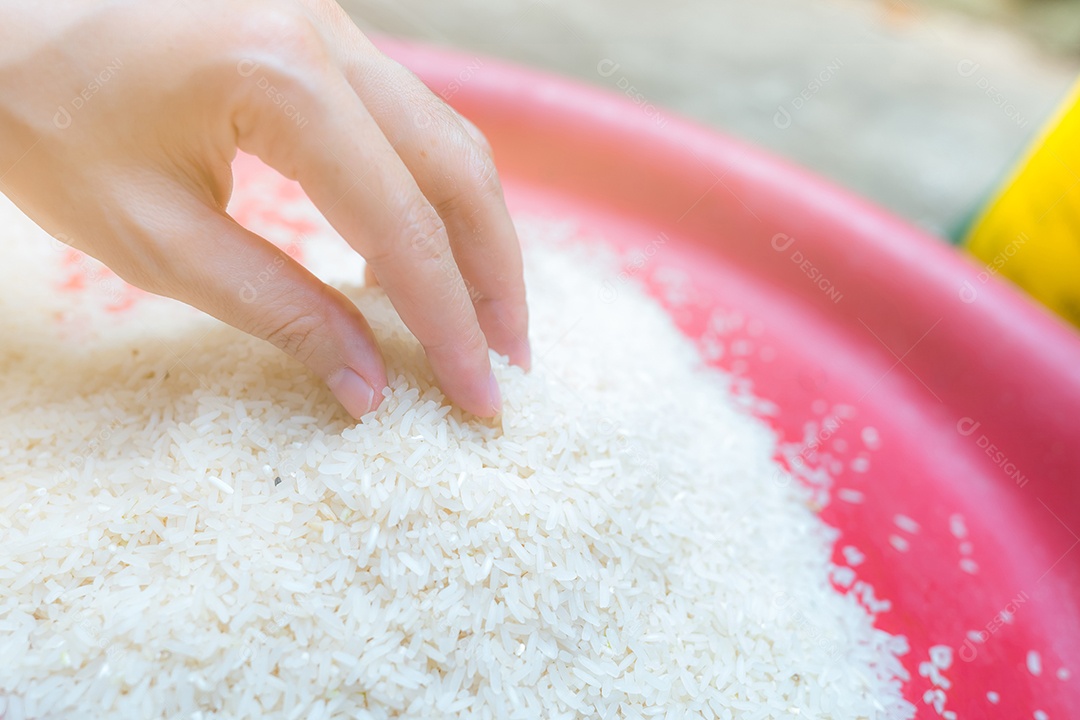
(353, 392)
(493, 390)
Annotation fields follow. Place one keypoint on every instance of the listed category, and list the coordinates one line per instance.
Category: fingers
(208, 261)
(350, 171)
(454, 169)
(451, 162)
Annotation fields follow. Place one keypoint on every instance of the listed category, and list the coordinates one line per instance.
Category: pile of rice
(190, 527)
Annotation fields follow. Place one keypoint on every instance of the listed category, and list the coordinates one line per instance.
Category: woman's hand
(118, 123)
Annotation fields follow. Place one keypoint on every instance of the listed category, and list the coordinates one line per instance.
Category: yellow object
(1030, 232)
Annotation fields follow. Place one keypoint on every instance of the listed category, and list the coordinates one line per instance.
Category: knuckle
(468, 346)
(468, 134)
(484, 174)
(477, 181)
(474, 342)
(287, 31)
(282, 62)
(481, 141)
(423, 227)
(296, 334)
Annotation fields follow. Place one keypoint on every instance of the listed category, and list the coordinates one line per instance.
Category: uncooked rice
(190, 527)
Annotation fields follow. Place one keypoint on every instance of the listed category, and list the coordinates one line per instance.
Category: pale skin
(138, 176)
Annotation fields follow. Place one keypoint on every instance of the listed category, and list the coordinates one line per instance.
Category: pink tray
(973, 390)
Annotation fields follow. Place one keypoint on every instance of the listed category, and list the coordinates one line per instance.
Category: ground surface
(919, 109)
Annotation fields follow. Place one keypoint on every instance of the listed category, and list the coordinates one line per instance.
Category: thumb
(221, 268)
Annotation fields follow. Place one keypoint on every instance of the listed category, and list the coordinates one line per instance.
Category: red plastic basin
(973, 390)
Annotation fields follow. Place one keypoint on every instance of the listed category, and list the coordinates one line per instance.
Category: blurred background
(921, 105)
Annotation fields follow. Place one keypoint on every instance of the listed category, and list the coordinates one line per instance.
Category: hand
(118, 123)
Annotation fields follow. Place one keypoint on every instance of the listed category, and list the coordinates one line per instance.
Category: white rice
(191, 528)
(906, 524)
(1034, 662)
